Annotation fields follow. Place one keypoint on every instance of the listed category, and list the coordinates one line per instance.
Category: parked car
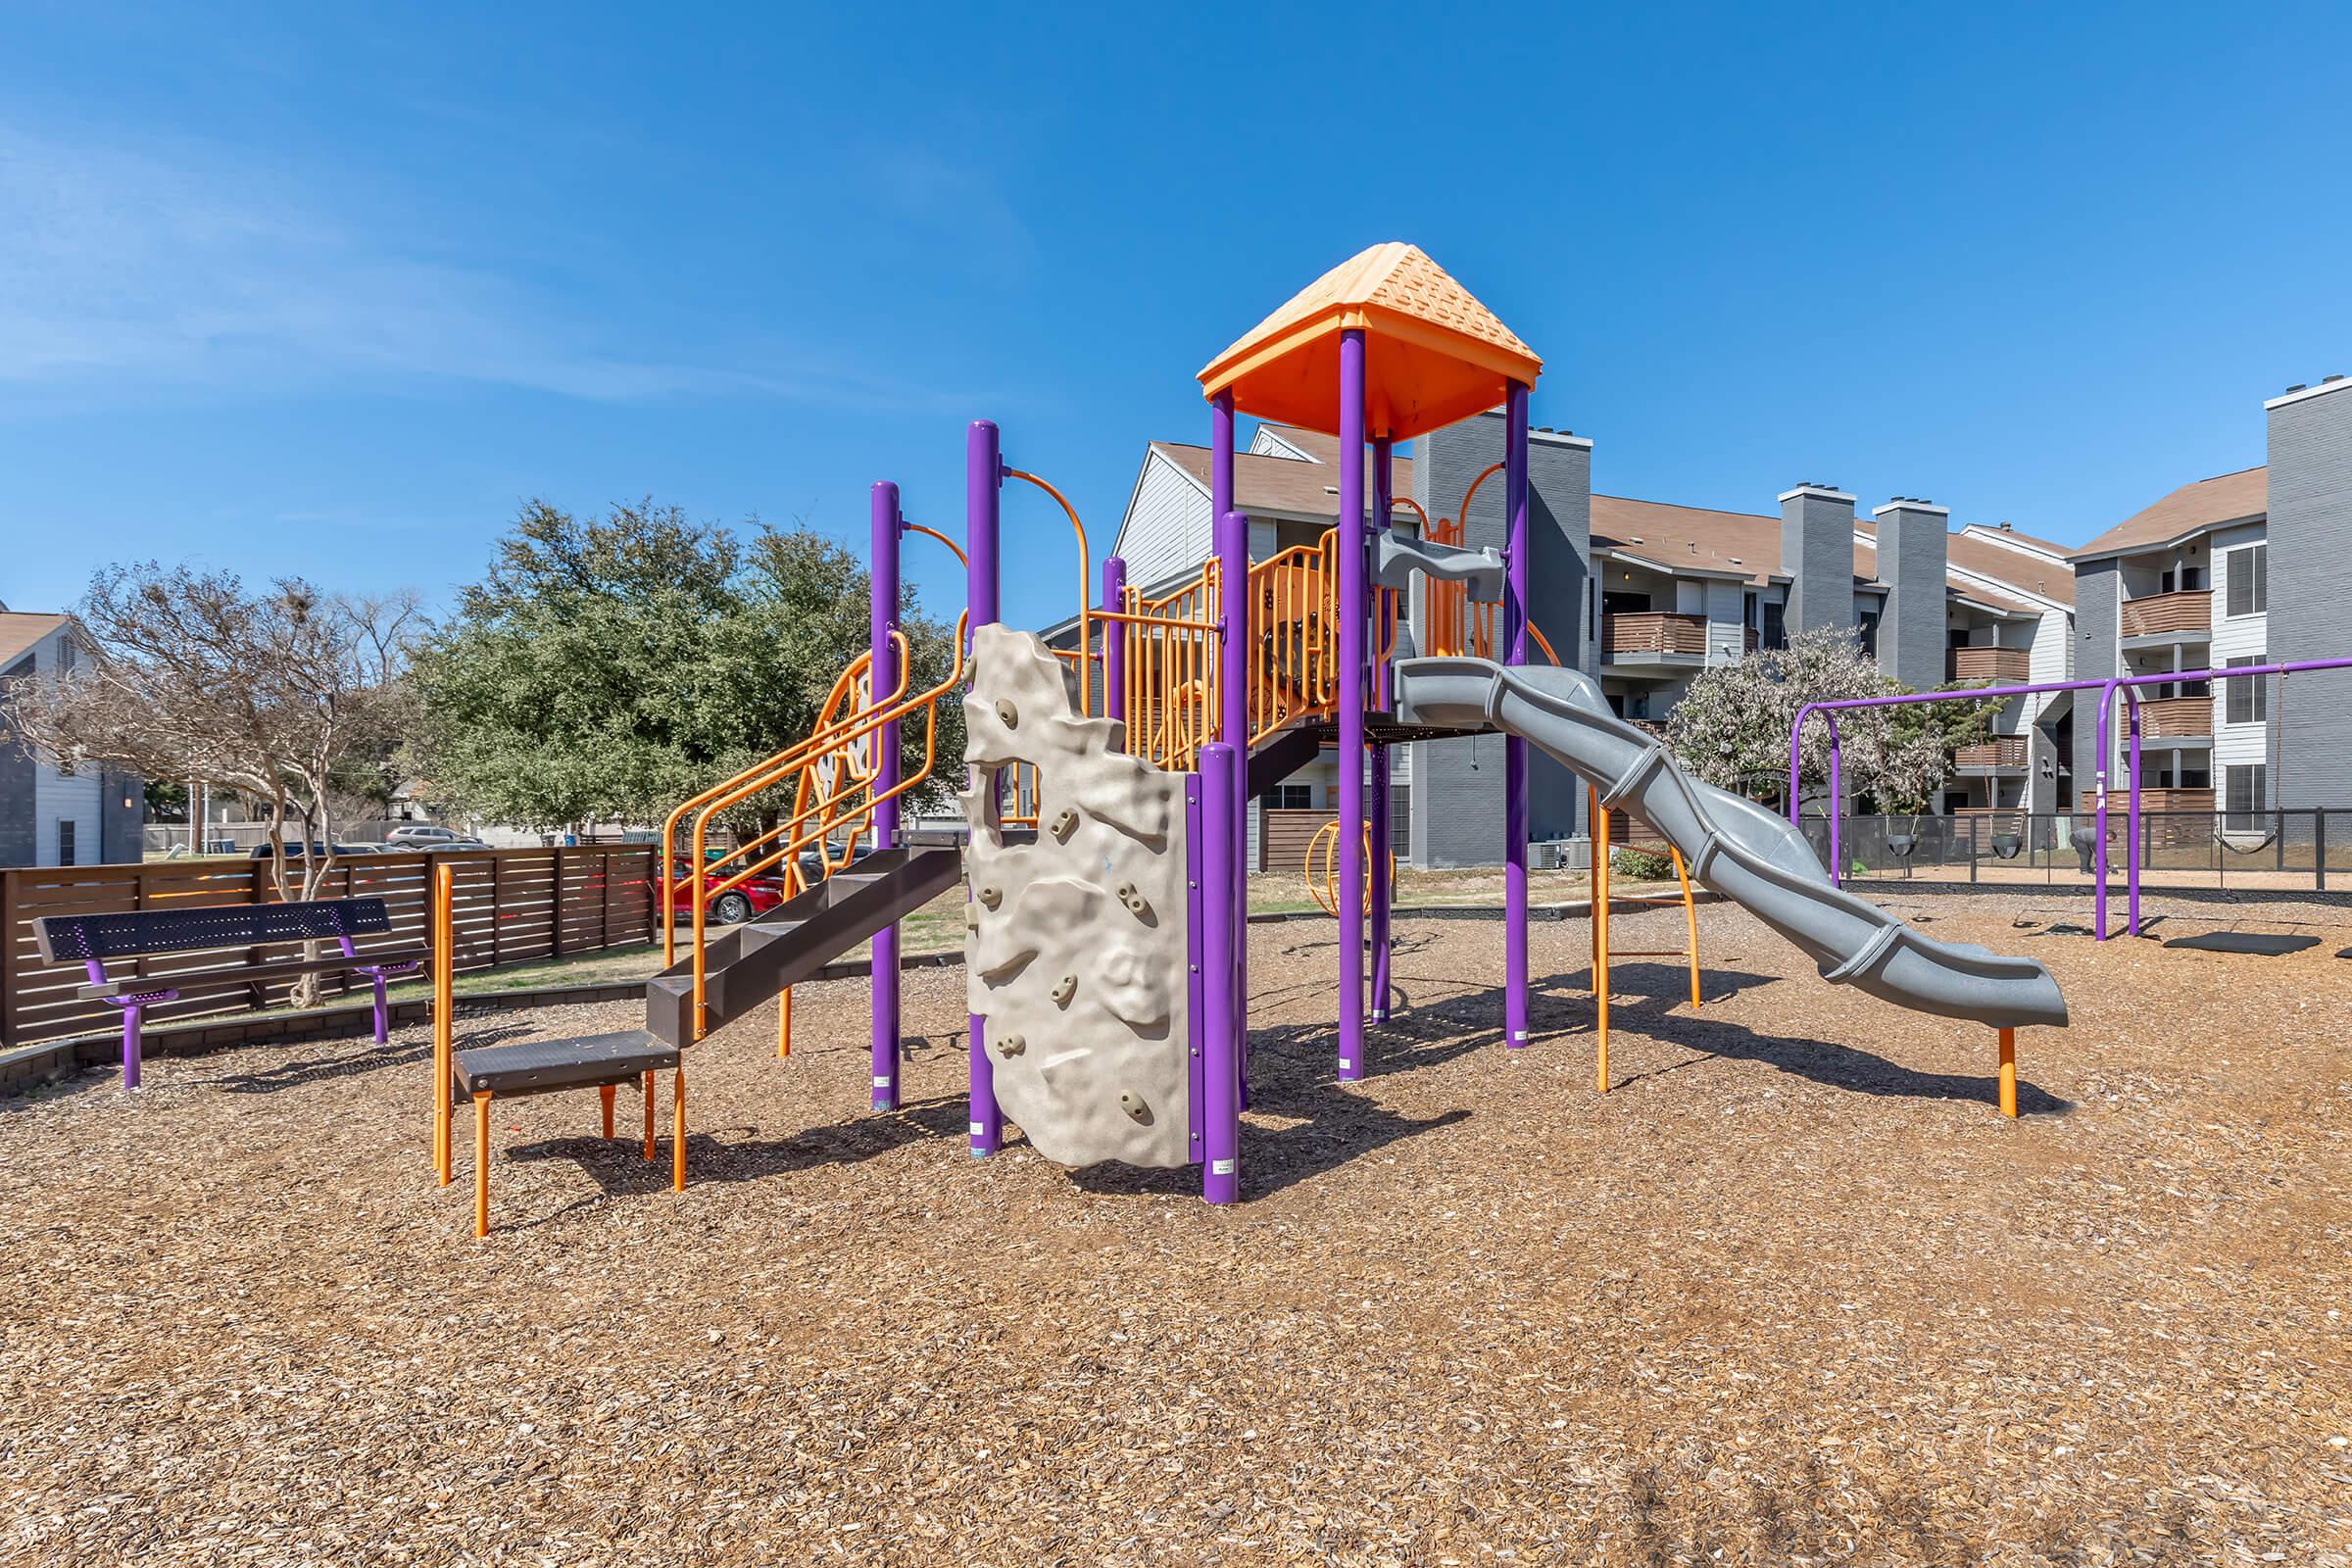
(423, 834)
(295, 851)
(731, 908)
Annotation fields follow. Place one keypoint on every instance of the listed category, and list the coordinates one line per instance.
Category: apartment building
(1644, 594)
(2184, 584)
(52, 815)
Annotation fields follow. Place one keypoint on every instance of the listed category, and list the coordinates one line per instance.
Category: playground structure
(1106, 971)
(2109, 689)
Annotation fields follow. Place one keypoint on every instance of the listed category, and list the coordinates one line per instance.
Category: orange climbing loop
(1322, 850)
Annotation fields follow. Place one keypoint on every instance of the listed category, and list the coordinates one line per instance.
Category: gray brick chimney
(1456, 800)
(1817, 552)
(2310, 589)
(1911, 554)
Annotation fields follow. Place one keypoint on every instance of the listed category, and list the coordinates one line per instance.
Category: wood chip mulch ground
(1792, 1293)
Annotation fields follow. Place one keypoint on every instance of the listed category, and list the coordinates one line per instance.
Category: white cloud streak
(125, 273)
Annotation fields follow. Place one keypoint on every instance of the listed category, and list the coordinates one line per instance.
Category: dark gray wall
(2098, 606)
(1817, 552)
(2311, 589)
(15, 779)
(1912, 550)
(1457, 785)
(122, 840)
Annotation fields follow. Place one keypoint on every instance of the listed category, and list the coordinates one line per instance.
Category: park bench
(98, 940)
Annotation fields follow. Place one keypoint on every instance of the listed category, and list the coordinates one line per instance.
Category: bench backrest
(79, 938)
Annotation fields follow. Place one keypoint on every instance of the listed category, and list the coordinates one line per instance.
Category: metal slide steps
(755, 960)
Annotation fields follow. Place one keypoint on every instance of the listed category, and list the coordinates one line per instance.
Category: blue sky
(331, 292)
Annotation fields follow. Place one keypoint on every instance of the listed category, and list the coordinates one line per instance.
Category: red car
(731, 908)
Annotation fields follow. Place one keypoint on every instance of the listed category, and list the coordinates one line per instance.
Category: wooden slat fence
(512, 907)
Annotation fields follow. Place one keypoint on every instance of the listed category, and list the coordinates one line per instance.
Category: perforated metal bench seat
(538, 1066)
(131, 985)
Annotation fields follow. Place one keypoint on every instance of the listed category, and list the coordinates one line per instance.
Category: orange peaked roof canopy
(1432, 353)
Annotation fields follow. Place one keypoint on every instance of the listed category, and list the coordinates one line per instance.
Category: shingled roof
(2192, 509)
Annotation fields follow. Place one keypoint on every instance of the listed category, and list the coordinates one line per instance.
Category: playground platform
(1790, 1285)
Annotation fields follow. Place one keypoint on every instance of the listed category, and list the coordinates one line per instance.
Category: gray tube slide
(1750, 856)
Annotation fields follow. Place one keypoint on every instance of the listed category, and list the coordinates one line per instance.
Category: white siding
(1727, 636)
(1266, 444)
(1165, 531)
(2051, 657)
(57, 798)
(2234, 637)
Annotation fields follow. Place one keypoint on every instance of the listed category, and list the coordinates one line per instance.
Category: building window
(1869, 623)
(2247, 700)
(1776, 625)
(2249, 568)
(64, 841)
(1294, 796)
(2244, 790)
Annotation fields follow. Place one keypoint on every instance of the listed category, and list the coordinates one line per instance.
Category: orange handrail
(781, 761)
(1086, 582)
(916, 527)
(1326, 843)
(856, 726)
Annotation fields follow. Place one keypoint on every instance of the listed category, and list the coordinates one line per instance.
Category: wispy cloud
(124, 272)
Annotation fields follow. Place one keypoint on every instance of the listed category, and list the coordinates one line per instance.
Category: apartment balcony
(2179, 719)
(2157, 618)
(2003, 754)
(1990, 663)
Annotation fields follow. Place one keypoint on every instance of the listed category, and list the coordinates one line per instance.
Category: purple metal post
(1230, 538)
(1356, 618)
(1836, 804)
(1220, 952)
(1115, 640)
(130, 1046)
(1384, 498)
(983, 475)
(1514, 749)
(882, 676)
(2132, 820)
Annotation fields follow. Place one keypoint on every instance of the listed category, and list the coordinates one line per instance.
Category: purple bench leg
(383, 1019)
(130, 1046)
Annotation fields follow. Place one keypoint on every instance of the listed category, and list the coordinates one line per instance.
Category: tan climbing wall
(1076, 948)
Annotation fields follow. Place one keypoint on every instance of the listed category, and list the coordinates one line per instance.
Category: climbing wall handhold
(1104, 998)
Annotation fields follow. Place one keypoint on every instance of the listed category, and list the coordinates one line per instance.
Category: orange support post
(482, 1165)
(784, 1024)
(1681, 874)
(444, 959)
(605, 1095)
(2009, 1072)
(677, 1130)
(647, 1087)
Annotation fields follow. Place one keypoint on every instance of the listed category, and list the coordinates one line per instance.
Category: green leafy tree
(1732, 727)
(608, 668)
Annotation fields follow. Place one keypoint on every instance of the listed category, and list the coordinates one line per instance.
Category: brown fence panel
(512, 906)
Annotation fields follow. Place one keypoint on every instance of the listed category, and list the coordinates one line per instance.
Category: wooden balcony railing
(2169, 612)
(1654, 632)
(2002, 751)
(1990, 663)
(2175, 717)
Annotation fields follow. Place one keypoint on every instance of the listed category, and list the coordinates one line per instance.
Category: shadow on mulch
(618, 1167)
(372, 1058)
(1839, 1066)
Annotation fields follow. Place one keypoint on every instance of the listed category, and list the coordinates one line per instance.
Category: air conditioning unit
(1559, 855)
